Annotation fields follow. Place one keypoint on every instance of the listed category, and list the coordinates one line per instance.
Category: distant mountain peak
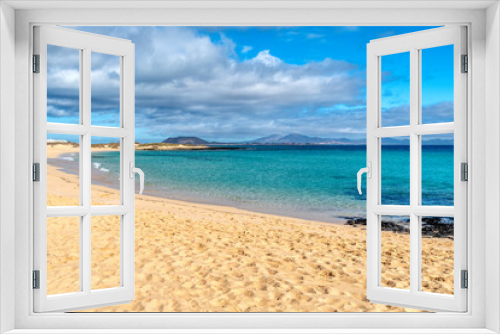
(185, 141)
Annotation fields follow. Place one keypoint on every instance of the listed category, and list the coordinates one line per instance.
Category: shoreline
(187, 203)
(312, 216)
(433, 226)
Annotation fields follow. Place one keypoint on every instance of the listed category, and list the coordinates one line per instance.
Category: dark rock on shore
(356, 221)
(434, 227)
(437, 227)
(396, 226)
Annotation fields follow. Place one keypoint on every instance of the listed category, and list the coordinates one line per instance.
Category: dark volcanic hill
(185, 141)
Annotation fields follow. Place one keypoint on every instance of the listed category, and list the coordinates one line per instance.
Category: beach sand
(193, 257)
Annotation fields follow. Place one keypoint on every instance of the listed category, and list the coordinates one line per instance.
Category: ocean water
(314, 182)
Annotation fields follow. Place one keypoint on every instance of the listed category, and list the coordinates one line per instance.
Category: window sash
(87, 43)
(413, 43)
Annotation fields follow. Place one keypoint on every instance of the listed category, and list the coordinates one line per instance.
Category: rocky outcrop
(436, 227)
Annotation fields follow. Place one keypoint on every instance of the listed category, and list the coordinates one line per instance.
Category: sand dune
(205, 258)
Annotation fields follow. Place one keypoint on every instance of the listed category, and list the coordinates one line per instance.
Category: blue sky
(240, 83)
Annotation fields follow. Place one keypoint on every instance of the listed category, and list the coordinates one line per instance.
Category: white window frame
(414, 43)
(86, 44)
(483, 49)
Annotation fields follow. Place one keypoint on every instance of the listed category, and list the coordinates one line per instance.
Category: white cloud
(246, 48)
(265, 57)
(187, 84)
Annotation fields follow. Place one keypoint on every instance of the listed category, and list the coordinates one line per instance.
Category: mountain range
(185, 141)
(300, 139)
(297, 138)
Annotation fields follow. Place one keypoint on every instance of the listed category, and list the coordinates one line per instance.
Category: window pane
(395, 252)
(437, 84)
(63, 255)
(437, 169)
(395, 174)
(63, 170)
(105, 171)
(395, 89)
(437, 254)
(105, 78)
(63, 85)
(105, 244)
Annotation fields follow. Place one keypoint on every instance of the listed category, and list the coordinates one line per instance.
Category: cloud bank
(189, 84)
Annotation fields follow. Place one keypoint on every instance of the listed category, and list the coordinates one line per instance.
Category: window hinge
(36, 172)
(36, 63)
(36, 279)
(464, 170)
(465, 279)
(465, 64)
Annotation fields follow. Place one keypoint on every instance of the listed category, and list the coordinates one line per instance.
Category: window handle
(134, 170)
(368, 171)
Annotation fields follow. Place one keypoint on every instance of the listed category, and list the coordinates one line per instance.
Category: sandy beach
(193, 257)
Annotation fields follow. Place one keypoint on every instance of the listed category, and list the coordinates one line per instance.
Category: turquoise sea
(306, 181)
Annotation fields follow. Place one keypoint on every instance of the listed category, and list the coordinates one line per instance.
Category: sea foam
(97, 165)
